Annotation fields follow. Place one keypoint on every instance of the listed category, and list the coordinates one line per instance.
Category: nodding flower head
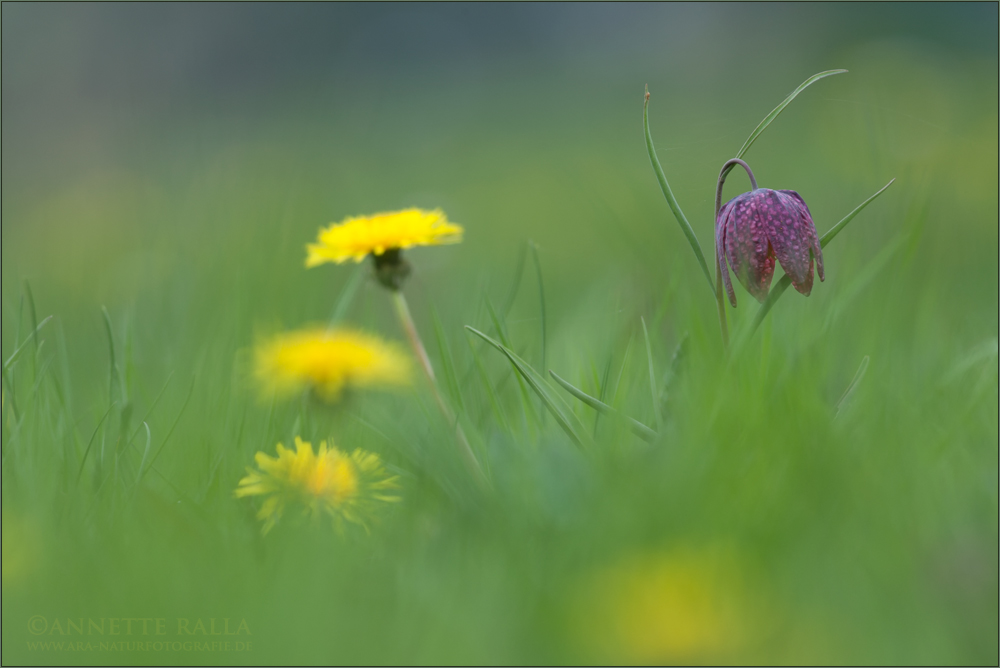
(756, 228)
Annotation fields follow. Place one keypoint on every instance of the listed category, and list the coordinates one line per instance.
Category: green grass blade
(34, 326)
(772, 297)
(525, 398)
(863, 277)
(835, 230)
(602, 387)
(541, 294)
(67, 394)
(537, 384)
(173, 426)
(90, 443)
(655, 394)
(20, 321)
(447, 362)
(145, 454)
(842, 403)
(128, 361)
(113, 365)
(38, 383)
(541, 306)
(498, 324)
(679, 353)
(346, 296)
(510, 299)
(516, 283)
(593, 402)
(781, 107)
(672, 370)
(17, 351)
(491, 393)
(602, 384)
(152, 406)
(786, 281)
(621, 371)
(984, 354)
(640, 430)
(10, 393)
(671, 200)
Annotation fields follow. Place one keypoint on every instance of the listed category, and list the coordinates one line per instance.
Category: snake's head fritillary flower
(383, 236)
(755, 229)
(326, 362)
(328, 482)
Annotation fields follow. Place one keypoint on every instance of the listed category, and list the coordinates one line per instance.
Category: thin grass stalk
(403, 311)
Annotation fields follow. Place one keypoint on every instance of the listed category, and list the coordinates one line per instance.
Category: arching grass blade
(90, 443)
(17, 351)
(638, 428)
(842, 403)
(565, 418)
(835, 230)
(541, 295)
(781, 107)
(669, 196)
(654, 393)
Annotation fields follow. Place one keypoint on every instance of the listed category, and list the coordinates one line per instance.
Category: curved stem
(726, 168)
(719, 257)
(403, 311)
(720, 303)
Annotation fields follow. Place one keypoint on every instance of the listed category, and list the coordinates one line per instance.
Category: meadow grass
(827, 493)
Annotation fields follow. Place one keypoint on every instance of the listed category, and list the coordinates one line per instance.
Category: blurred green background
(169, 162)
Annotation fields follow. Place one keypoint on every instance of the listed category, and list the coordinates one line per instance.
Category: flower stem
(722, 179)
(720, 256)
(720, 304)
(720, 253)
(403, 311)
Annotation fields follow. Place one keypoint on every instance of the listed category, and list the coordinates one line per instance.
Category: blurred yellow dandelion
(355, 238)
(22, 549)
(327, 361)
(345, 487)
(685, 606)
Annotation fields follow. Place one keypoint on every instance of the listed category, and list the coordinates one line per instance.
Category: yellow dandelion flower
(327, 361)
(345, 487)
(22, 549)
(684, 606)
(355, 238)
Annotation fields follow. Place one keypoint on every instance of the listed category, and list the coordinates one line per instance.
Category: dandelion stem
(403, 311)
